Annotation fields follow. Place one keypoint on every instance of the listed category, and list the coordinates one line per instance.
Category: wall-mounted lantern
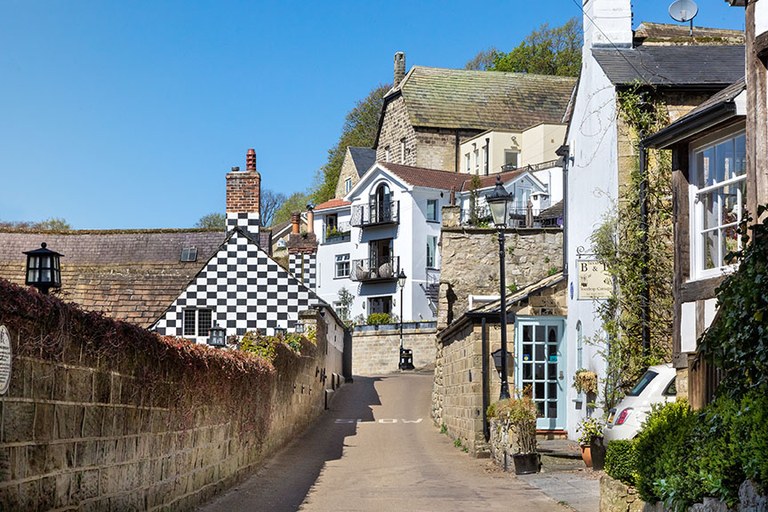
(43, 268)
(217, 337)
(299, 327)
(497, 360)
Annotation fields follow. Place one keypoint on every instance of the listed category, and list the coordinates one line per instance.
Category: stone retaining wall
(376, 352)
(103, 415)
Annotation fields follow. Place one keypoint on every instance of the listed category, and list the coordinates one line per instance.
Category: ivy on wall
(638, 252)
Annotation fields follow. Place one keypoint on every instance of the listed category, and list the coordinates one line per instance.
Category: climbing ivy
(637, 254)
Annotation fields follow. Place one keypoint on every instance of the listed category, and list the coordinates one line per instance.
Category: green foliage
(296, 202)
(620, 243)
(270, 203)
(360, 127)
(212, 221)
(345, 300)
(621, 460)
(545, 51)
(474, 203)
(737, 340)
(589, 429)
(52, 224)
(662, 453)
(443, 429)
(750, 432)
(518, 415)
(457, 442)
(484, 60)
(379, 318)
(258, 344)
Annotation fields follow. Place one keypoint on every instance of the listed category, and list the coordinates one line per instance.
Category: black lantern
(299, 327)
(498, 202)
(497, 359)
(43, 268)
(217, 336)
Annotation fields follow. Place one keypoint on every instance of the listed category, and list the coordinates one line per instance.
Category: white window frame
(342, 262)
(486, 157)
(199, 330)
(436, 217)
(696, 207)
(431, 244)
(341, 310)
(347, 185)
(468, 162)
(512, 152)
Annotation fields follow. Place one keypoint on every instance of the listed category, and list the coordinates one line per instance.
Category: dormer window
(189, 254)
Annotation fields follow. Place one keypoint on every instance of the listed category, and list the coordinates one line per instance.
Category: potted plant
(591, 441)
(585, 381)
(519, 416)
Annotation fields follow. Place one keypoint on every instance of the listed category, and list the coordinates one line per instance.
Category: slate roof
(128, 275)
(445, 180)
(363, 158)
(668, 33)
(674, 66)
(553, 212)
(482, 100)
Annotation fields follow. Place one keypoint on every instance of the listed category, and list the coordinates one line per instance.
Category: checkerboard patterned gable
(245, 290)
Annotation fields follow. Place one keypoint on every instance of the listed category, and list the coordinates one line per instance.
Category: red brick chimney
(243, 195)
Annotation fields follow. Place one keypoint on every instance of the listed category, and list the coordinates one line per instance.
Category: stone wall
(616, 496)
(103, 415)
(470, 263)
(376, 352)
(396, 127)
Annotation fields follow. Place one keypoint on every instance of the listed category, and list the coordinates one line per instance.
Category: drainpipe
(486, 393)
(646, 292)
(457, 151)
(564, 153)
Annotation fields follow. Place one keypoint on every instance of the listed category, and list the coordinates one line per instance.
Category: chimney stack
(399, 68)
(243, 196)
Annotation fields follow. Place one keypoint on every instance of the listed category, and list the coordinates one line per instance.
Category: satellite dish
(683, 10)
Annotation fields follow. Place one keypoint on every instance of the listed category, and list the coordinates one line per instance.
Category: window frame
(433, 239)
(696, 203)
(347, 185)
(199, 331)
(513, 152)
(338, 263)
(436, 216)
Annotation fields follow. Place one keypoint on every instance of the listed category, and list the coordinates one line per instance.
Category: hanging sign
(5, 360)
(595, 282)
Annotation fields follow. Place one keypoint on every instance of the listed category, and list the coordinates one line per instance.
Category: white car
(657, 385)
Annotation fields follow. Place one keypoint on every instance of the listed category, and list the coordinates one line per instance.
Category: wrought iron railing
(375, 269)
(377, 213)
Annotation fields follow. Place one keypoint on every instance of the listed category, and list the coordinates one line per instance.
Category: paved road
(377, 450)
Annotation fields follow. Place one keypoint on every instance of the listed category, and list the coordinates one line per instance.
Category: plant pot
(586, 455)
(526, 463)
(597, 450)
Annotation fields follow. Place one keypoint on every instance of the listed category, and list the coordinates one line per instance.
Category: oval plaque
(5, 360)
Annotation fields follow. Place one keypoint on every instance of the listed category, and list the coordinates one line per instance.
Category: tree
(360, 127)
(52, 224)
(546, 51)
(212, 221)
(270, 204)
(296, 202)
(484, 60)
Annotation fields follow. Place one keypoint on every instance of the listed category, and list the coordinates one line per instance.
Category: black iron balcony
(375, 269)
(376, 214)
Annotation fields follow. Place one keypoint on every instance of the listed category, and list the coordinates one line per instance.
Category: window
(432, 210)
(386, 154)
(510, 157)
(342, 265)
(431, 252)
(347, 185)
(477, 161)
(380, 305)
(485, 157)
(341, 310)
(197, 322)
(718, 178)
(467, 163)
(402, 151)
(189, 254)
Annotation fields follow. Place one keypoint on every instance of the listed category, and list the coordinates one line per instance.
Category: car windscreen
(642, 383)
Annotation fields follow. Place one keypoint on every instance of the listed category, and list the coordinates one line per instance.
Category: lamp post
(498, 202)
(401, 284)
(43, 269)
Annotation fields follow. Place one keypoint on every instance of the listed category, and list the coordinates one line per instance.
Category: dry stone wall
(103, 415)
(376, 352)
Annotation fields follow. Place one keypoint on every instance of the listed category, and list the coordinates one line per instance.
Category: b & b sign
(595, 282)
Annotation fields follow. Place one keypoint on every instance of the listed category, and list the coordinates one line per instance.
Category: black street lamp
(498, 202)
(217, 336)
(406, 359)
(43, 269)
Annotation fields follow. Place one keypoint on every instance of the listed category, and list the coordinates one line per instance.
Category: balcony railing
(376, 214)
(375, 269)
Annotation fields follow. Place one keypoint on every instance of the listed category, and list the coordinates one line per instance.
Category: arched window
(381, 204)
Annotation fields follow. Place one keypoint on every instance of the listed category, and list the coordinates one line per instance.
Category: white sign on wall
(5, 360)
(595, 282)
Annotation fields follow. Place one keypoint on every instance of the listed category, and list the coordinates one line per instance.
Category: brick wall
(102, 415)
(376, 352)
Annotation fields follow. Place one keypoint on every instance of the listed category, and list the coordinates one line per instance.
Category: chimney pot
(399, 68)
(235, 169)
(250, 160)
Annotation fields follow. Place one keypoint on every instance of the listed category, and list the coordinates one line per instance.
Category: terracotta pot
(586, 455)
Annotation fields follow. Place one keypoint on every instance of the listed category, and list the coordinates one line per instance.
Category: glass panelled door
(541, 367)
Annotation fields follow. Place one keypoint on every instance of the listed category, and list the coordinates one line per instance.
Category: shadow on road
(282, 484)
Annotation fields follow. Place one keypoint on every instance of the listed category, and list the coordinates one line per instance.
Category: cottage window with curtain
(717, 196)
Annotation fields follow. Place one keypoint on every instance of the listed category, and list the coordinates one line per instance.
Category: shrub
(589, 429)
(750, 432)
(621, 460)
(662, 452)
(517, 414)
(379, 318)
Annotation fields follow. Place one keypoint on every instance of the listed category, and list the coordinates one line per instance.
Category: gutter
(689, 125)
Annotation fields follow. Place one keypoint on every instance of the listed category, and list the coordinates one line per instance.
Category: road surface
(377, 450)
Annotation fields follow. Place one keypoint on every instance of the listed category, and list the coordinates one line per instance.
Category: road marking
(383, 421)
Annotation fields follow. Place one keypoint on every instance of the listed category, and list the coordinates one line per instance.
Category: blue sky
(128, 114)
